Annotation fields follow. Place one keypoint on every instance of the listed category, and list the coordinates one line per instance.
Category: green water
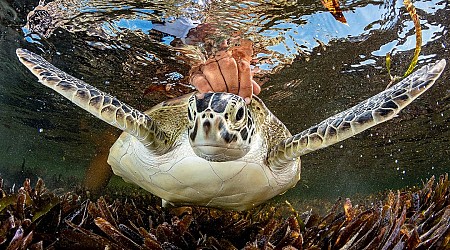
(312, 67)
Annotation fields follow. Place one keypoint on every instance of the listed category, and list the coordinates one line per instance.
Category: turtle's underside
(213, 149)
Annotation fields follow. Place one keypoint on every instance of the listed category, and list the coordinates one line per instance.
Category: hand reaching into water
(227, 71)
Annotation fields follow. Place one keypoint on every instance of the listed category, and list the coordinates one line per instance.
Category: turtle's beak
(211, 139)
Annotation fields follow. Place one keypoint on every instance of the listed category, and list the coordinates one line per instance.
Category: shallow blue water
(312, 67)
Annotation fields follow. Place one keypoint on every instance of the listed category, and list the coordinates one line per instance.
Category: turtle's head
(220, 126)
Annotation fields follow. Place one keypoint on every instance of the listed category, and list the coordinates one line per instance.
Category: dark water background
(312, 67)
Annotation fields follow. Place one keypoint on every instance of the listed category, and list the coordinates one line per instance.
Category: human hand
(225, 73)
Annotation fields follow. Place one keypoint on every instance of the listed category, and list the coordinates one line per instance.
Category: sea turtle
(213, 149)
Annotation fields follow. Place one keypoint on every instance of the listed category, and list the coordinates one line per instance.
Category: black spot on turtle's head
(202, 101)
(218, 103)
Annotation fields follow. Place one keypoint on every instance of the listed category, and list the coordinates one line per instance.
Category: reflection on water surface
(312, 66)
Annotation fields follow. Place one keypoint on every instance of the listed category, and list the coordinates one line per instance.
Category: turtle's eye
(240, 114)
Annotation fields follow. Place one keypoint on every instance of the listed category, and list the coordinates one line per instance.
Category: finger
(256, 88)
(212, 73)
(200, 83)
(246, 87)
(229, 71)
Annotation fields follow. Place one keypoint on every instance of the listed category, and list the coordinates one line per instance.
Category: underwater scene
(384, 188)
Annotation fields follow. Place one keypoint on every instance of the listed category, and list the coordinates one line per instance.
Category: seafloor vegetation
(37, 218)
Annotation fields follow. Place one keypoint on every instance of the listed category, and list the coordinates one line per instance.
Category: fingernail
(247, 100)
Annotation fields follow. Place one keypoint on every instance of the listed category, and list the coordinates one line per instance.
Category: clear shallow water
(312, 67)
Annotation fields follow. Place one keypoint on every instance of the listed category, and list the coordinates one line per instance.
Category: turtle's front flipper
(96, 102)
(366, 114)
